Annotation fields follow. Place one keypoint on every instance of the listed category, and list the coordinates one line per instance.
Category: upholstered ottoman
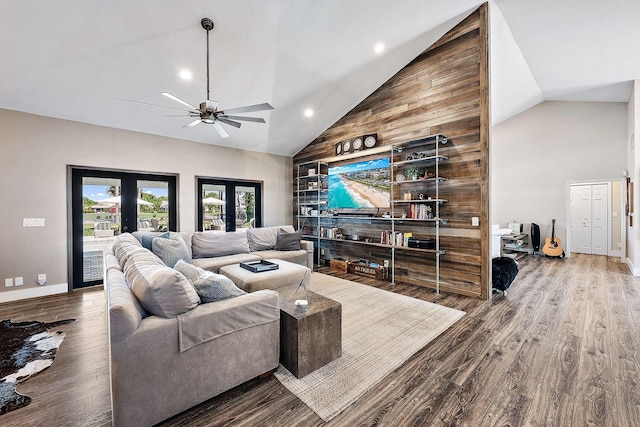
(287, 274)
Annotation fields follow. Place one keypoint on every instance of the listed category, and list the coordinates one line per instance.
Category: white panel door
(599, 220)
(581, 218)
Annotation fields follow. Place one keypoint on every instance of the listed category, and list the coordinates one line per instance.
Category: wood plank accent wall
(444, 90)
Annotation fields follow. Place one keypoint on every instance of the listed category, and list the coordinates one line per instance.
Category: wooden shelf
(382, 245)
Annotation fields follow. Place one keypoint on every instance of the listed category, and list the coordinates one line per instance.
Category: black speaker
(421, 243)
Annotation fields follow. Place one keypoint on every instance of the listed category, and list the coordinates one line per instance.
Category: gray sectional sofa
(168, 350)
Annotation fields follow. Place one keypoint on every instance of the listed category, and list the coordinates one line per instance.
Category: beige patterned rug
(380, 331)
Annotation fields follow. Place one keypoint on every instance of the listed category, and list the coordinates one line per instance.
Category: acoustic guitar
(552, 244)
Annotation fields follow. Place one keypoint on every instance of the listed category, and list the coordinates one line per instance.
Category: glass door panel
(213, 205)
(245, 207)
(101, 222)
(153, 207)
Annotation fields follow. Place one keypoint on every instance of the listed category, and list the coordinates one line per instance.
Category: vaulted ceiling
(70, 59)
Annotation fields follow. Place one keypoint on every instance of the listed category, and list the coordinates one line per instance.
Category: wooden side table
(310, 337)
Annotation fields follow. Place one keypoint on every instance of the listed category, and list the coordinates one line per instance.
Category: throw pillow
(262, 239)
(147, 238)
(288, 241)
(208, 244)
(215, 287)
(171, 250)
(161, 290)
(190, 271)
(209, 286)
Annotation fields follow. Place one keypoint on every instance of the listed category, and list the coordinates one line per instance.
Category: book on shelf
(395, 238)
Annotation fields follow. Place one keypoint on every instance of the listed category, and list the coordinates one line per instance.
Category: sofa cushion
(161, 290)
(125, 311)
(207, 244)
(147, 238)
(288, 241)
(262, 239)
(171, 250)
(214, 264)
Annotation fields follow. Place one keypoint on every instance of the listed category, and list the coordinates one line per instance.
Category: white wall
(35, 152)
(535, 154)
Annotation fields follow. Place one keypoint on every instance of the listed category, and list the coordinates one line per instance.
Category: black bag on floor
(503, 271)
(535, 237)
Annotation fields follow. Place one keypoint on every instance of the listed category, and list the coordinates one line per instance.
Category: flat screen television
(359, 185)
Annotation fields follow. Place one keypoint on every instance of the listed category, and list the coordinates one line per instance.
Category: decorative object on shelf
(370, 141)
(408, 196)
(421, 243)
(399, 177)
(429, 173)
(312, 172)
(338, 148)
(346, 147)
(413, 173)
(357, 144)
(421, 196)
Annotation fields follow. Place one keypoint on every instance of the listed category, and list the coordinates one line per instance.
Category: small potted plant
(413, 172)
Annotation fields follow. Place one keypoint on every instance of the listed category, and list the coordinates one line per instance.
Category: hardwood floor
(562, 348)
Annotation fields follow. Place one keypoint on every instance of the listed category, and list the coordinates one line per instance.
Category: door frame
(230, 208)
(620, 253)
(77, 172)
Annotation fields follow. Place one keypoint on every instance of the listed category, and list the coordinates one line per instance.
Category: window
(228, 204)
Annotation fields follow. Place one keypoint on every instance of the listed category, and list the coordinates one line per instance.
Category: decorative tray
(259, 266)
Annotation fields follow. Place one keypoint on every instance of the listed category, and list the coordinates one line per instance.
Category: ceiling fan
(208, 111)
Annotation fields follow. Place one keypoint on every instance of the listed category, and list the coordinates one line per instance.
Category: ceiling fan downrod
(207, 24)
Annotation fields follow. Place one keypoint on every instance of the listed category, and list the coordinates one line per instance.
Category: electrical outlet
(42, 279)
(8, 282)
(19, 281)
(475, 221)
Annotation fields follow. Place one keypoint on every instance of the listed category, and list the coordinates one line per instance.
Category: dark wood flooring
(561, 349)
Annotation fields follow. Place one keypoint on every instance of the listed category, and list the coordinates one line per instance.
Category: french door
(228, 204)
(589, 218)
(106, 203)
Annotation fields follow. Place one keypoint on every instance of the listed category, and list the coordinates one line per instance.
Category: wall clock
(357, 143)
(370, 141)
(338, 148)
(346, 146)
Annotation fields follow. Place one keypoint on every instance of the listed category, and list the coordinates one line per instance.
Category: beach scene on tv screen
(360, 185)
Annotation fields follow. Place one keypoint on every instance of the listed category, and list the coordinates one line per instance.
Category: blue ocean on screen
(339, 196)
(367, 171)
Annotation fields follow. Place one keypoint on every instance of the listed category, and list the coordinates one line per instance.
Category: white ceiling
(69, 59)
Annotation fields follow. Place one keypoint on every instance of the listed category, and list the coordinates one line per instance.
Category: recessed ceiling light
(186, 75)
(308, 112)
(379, 48)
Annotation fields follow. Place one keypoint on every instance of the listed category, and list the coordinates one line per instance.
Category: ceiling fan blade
(249, 108)
(182, 115)
(153, 105)
(246, 119)
(175, 98)
(193, 123)
(229, 122)
(223, 133)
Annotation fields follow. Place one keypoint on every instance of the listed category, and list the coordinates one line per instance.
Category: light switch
(19, 281)
(475, 221)
(33, 222)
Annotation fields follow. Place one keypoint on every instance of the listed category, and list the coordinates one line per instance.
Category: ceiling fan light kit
(208, 111)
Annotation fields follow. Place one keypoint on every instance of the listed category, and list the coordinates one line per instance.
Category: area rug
(380, 331)
(26, 348)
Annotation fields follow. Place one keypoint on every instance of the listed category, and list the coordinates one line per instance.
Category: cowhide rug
(26, 348)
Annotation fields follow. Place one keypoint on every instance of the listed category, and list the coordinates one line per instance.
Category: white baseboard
(40, 291)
